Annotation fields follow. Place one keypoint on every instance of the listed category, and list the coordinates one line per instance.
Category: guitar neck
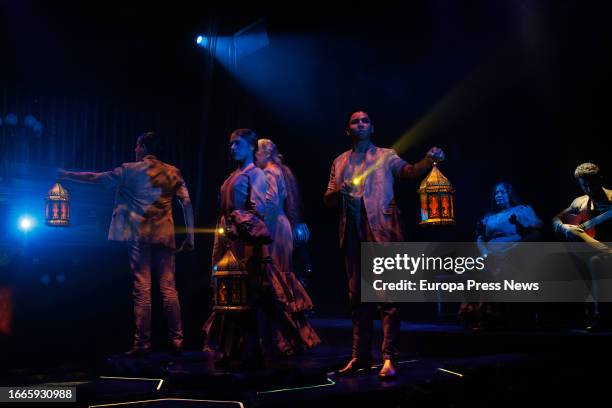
(593, 222)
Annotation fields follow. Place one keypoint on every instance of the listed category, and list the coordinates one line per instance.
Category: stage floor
(441, 364)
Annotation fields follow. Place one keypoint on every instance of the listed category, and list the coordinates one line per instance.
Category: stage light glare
(25, 223)
(201, 40)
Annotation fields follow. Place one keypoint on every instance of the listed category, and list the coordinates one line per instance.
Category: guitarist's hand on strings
(571, 232)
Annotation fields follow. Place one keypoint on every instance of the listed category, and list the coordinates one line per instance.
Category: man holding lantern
(361, 182)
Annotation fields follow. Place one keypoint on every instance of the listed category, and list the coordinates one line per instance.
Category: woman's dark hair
(513, 198)
(248, 135)
(151, 141)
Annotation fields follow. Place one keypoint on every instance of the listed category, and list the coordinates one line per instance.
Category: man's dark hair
(588, 170)
(151, 141)
(354, 111)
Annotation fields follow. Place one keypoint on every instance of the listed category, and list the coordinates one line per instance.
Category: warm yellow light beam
(183, 230)
(463, 98)
(359, 178)
(490, 76)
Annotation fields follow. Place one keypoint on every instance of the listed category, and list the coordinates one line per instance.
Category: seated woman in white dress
(498, 232)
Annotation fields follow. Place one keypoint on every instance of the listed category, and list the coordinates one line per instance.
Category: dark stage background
(514, 91)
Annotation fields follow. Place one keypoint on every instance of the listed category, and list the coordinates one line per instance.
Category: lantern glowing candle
(437, 199)
(230, 284)
(57, 207)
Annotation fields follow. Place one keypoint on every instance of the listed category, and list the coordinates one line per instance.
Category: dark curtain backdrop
(535, 79)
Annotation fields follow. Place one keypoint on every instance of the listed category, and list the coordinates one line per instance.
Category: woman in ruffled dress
(276, 300)
(234, 336)
(291, 332)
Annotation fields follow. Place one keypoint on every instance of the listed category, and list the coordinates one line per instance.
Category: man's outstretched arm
(81, 176)
(418, 170)
(109, 179)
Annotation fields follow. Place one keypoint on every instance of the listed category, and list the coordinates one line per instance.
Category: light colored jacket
(244, 189)
(143, 201)
(383, 167)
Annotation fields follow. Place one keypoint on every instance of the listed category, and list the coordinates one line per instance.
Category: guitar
(584, 221)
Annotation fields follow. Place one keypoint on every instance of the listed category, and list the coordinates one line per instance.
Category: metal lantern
(437, 199)
(230, 284)
(57, 207)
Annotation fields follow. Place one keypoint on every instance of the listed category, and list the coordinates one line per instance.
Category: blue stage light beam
(228, 50)
(251, 38)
